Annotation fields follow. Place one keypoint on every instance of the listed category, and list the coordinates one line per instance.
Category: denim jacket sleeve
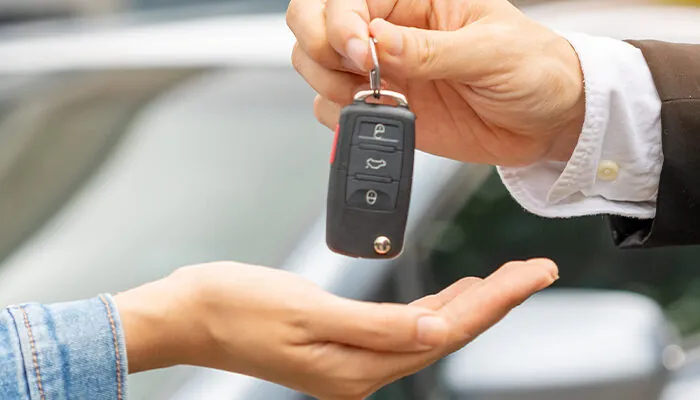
(62, 351)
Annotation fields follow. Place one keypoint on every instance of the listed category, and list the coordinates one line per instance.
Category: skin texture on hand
(275, 326)
(487, 84)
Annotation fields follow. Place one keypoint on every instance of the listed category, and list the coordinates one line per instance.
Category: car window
(55, 130)
(493, 229)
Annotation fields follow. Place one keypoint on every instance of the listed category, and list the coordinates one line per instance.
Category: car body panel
(252, 40)
(229, 165)
(568, 343)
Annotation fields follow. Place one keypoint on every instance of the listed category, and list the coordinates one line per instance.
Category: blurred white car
(16, 11)
(132, 146)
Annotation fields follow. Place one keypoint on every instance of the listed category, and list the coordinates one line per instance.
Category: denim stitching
(35, 356)
(116, 347)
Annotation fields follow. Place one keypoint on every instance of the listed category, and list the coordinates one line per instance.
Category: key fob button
(375, 163)
(372, 195)
(379, 132)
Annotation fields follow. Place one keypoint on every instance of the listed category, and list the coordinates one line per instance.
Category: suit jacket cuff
(675, 69)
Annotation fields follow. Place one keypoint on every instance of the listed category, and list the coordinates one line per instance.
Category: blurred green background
(493, 229)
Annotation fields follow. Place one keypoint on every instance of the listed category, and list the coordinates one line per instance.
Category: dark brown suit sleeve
(676, 72)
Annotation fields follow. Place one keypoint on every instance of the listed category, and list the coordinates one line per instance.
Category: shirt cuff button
(608, 171)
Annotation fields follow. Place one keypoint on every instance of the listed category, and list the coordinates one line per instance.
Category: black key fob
(369, 189)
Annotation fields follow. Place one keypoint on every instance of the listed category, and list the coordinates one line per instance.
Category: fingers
(327, 112)
(335, 33)
(336, 86)
(331, 31)
(347, 23)
(347, 27)
(418, 53)
(306, 19)
(465, 54)
(379, 327)
(472, 312)
(389, 327)
(437, 301)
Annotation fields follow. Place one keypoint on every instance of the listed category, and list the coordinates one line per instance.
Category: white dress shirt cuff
(617, 162)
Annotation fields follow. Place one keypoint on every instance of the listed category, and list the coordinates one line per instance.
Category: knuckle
(326, 112)
(318, 108)
(469, 281)
(297, 55)
(426, 51)
(431, 302)
(318, 50)
(292, 13)
(383, 325)
(512, 265)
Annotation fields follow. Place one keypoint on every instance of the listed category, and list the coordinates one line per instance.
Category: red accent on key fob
(335, 143)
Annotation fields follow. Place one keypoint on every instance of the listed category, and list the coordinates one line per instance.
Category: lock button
(370, 195)
(377, 131)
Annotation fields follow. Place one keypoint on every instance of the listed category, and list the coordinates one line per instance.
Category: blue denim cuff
(73, 350)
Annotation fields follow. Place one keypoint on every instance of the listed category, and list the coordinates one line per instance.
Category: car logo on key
(375, 164)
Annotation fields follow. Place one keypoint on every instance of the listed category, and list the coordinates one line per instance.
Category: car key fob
(371, 175)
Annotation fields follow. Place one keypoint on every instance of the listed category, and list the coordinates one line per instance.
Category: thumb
(413, 53)
(379, 327)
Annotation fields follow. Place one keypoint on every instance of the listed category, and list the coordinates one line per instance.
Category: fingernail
(388, 38)
(432, 331)
(549, 265)
(357, 52)
(350, 65)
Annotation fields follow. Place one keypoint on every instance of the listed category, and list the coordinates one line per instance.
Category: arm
(73, 349)
(573, 121)
(635, 90)
(616, 163)
(676, 72)
(255, 321)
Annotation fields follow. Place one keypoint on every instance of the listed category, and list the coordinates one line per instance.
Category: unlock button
(372, 195)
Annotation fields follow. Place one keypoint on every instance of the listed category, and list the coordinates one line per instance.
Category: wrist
(566, 134)
(160, 324)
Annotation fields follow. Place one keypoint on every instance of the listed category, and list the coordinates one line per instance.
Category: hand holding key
(487, 84)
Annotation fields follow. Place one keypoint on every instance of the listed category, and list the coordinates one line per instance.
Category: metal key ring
(398, 97)
(375, 78)
(375, 81)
